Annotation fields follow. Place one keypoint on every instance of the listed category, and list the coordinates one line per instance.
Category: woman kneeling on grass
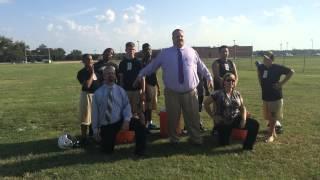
(231, 113)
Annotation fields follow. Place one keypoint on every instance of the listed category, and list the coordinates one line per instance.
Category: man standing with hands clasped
(180, 65)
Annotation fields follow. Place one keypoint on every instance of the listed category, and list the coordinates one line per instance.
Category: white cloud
(50, 27)
(286, 14)
(137, 9)
(133, 14)
(283, 14)
(5, 1)
(125, 16)
(108, 16)
(83, 28)
(79, 13)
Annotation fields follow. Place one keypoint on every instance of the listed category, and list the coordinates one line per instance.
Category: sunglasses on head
(230, 80)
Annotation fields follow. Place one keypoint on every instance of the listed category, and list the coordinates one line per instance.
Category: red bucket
(125, 137)
(164, 125)
(239, 134)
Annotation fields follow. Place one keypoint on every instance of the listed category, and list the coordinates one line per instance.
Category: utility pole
(234, 50)
(311, 47)
(138, 45)
(25, 55)
(49, 56)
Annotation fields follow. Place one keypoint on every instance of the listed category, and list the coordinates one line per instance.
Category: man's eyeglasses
(230, 80)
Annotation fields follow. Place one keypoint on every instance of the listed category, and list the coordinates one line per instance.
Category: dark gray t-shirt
(268, 77)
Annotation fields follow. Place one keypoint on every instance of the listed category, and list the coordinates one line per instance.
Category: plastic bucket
(124, 137)
(239, 134)
(164, 124)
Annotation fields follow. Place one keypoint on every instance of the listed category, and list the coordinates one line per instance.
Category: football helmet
(66, 141)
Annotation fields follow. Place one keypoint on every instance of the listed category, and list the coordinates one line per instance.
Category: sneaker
(279, 129)
(201, 127)
(152, 127)
(214, 131)
(269, 139)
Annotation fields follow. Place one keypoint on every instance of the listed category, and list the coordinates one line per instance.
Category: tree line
(19, 51)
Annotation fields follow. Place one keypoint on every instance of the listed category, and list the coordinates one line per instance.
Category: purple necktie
(180, 67)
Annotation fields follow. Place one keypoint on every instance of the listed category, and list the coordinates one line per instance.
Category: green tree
(58, 54)
(74, 55)
(12, 51)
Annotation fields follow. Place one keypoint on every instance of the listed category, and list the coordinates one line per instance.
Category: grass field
(39, 102)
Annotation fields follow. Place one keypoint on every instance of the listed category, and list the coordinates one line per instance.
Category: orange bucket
(239, 134)
(124, 137)
(164, 125)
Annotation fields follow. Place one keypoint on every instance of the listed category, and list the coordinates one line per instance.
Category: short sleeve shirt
(270, 76)
(130, 69)
(82, 76)
(224, 68)
(227, 107)
(100, 66)
(152, 78)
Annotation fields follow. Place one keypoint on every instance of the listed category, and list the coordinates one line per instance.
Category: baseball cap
(268, 55)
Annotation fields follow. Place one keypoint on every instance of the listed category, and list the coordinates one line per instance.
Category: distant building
(213, 52)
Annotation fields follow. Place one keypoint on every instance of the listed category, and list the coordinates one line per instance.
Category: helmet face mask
(65, 141)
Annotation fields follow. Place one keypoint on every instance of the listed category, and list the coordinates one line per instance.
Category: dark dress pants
(252, 126)
(109, 133)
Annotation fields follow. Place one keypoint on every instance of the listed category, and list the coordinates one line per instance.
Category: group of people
(122, 97)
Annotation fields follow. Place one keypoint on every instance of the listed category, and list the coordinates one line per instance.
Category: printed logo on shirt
(265, 74)
(226, 66)
(129, 66)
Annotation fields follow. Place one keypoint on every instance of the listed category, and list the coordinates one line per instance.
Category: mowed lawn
(39, 102)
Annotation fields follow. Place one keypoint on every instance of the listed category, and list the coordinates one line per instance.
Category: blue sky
(93, 25)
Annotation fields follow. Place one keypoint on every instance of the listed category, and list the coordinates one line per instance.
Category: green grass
(39, 102)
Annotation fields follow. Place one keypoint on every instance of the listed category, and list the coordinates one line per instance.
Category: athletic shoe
(202, 127)
(152, 127)
(269, 139)
(279, 129)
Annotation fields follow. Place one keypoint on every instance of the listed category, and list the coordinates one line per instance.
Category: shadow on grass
(52, 157)
(27, 148)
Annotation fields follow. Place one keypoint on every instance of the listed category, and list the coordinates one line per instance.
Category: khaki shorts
(134, 99)
(85, 108)
(151, 97)
(273, 109)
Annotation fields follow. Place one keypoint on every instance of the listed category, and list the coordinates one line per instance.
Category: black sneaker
(214, 131)
(279, 129)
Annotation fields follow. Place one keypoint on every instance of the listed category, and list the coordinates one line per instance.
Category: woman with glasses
(230, 113)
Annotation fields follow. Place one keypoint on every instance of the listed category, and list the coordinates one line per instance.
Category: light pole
(138, 45)
(25, 55)
(311, 44)
(49, 56)
(234, 50)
